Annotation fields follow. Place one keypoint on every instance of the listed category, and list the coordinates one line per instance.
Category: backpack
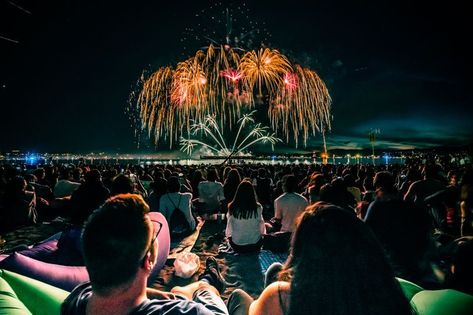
(178, 224)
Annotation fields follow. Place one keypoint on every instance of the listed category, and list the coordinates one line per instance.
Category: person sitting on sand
(65, 186)
(336, 266)
(19, 205)
(120, 249)
(425, 187)
(90, 195)
(159, 188)
(245, 224)
(264, 188)
(211, 193)
(404, 231)
(288, 206)
(231, 184)
(177, 201)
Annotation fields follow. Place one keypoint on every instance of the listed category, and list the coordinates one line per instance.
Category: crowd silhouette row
(349, 230)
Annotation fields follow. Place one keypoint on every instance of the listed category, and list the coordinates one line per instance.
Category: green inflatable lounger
(409, 288)
(21, 295)
(436, 302)
(442, 302)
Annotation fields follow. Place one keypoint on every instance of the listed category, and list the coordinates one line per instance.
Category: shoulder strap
(283, 306)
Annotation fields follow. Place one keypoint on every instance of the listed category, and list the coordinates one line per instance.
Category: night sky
(67, 67)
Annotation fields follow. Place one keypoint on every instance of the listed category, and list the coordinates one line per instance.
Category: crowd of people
(349, 231)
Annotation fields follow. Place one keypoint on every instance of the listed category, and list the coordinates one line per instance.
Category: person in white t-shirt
(211, 193)
(174, 200)
(65, 186)
(245, 224)
(289, 205)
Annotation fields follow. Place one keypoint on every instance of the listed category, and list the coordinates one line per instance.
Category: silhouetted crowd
(421, 212)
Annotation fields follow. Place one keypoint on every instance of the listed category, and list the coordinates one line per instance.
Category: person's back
(263, 187)
(177, 201)
(120, 250)
(313, 189)
(245, 224)
(89, 196)
(211, 194)
(65, 188)
(159, 187)
(336, 267)
(246, 231)
(19, 205)
(289, 205)
(231, 184)
(403, 230)
(461, 277)
(423, 188)
(351, 187)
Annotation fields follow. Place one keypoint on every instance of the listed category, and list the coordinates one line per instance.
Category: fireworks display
(226, 83)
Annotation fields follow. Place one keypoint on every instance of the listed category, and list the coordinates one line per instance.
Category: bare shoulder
(269, 300)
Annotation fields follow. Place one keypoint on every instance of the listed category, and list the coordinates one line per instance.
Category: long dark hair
(337, 264)
(233, 177)
(244, 204)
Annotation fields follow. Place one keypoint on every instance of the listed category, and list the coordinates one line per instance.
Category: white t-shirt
(287, 208)
(211, 193)
(246, 231)
(183, 201)
(355, 191)
(64, 188)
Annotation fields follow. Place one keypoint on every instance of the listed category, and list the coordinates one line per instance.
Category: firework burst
(225, 83)
(264, 67)
(301, 106)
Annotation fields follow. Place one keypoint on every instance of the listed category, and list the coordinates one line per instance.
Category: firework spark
(232, 75)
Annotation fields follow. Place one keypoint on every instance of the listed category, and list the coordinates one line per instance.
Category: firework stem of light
(211, 122)
(242, 123)
(208, 132)
(210, 128)
(324, 142)
(187, 145)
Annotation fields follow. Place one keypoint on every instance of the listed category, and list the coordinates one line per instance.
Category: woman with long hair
(245, 224)
(231, 184)
(316, 182)
(197, 177)
(336, 267)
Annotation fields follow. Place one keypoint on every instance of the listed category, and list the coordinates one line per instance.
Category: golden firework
(265, 67)
(301, 106)
(222, 82)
